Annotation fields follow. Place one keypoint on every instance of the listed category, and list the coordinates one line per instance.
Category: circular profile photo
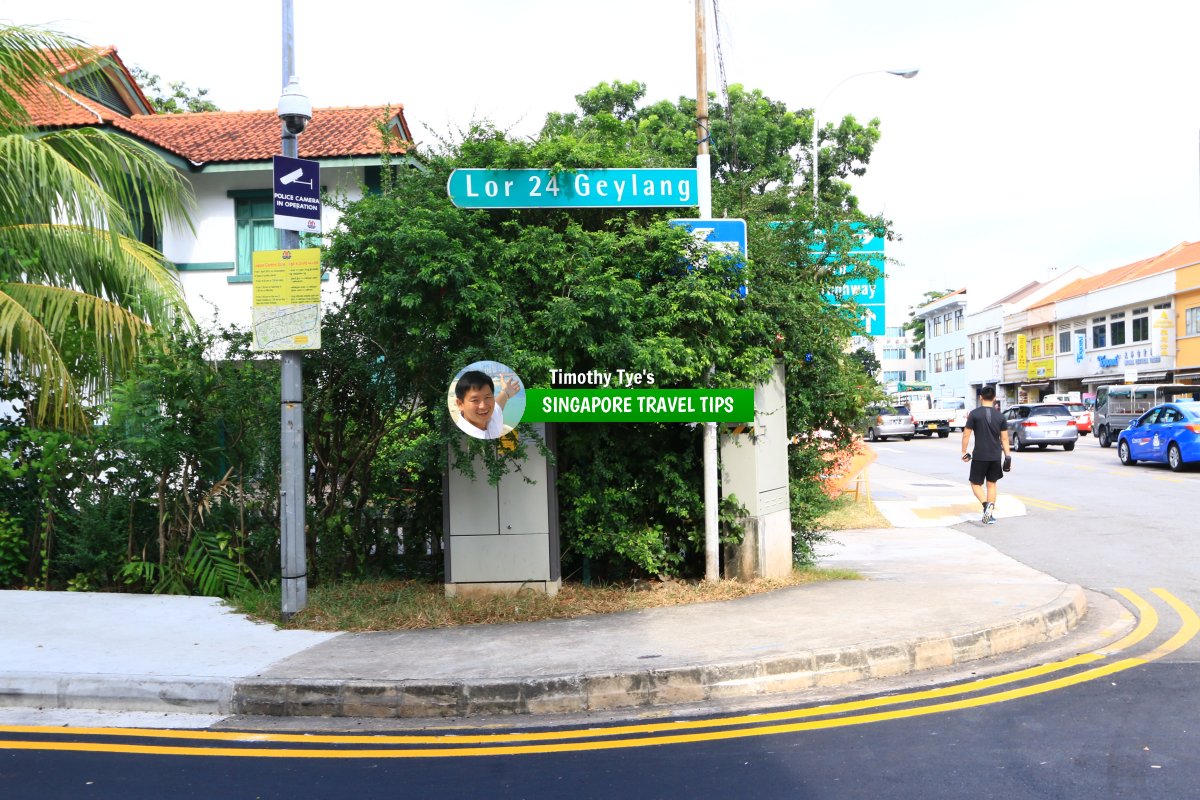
(486, 399)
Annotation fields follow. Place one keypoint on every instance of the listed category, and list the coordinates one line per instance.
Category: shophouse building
(1119, 326)
(1187, 324)
(986, 362)
(946, 343)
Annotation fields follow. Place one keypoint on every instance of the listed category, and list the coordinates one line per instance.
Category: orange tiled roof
(1181, 255)
(254, 135)
(56, 105)
(221, 136)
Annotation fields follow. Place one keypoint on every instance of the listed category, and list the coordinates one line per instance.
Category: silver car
(885, 421)
(1041, 424)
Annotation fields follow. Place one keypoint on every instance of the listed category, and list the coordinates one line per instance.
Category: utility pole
(712, 555)
(292, 491)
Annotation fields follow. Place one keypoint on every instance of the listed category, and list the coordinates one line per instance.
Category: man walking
(992, 458)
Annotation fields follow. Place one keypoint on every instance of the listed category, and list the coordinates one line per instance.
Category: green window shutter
(255, 215)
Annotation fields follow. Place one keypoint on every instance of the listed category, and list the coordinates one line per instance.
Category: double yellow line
(1037, 680)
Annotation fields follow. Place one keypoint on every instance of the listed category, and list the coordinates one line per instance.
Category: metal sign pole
(291, 431)
(712, 553)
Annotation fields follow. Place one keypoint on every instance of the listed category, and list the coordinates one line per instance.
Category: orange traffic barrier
(848, 469)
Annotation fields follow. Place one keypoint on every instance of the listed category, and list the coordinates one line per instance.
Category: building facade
(946, 343)
(226, 157)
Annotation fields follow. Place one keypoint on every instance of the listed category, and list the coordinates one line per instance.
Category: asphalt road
(1090, 521)
(1127, 725)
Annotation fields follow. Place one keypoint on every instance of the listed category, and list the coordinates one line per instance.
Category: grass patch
(405, 605)
(849, 514)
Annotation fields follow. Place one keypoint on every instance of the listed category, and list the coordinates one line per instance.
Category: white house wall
(208, 258)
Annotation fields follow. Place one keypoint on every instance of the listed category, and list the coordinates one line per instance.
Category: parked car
(1083, 417)
(888, 421)
(1168, 433)
(1041, 424)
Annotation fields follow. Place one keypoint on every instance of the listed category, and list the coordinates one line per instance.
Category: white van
(958, 408)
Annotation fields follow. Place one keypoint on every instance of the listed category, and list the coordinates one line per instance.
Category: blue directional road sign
(297, 194)
(869, 296)
(584, 188)
(727, 234)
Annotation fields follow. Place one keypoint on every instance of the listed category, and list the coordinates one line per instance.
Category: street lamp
(903, 73)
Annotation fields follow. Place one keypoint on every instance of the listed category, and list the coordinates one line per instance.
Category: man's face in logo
(476, 406)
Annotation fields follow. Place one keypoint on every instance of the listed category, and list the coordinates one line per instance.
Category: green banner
(639, 405)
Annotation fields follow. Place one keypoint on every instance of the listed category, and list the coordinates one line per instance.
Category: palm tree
(78, 292)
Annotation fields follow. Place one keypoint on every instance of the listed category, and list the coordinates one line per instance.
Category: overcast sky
(1039, 134)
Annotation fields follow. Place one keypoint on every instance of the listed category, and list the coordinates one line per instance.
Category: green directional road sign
(584, 188)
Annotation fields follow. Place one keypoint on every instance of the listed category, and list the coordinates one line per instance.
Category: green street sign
(639, 405)
(584, 188)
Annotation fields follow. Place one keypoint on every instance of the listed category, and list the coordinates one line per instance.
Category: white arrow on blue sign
(297, 194)
(725, 234)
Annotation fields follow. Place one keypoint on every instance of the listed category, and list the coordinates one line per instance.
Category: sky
(1039, 135)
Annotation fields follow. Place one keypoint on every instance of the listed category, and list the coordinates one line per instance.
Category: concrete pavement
(933, 596)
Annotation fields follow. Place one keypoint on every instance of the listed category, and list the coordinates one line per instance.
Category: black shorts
(991, 471)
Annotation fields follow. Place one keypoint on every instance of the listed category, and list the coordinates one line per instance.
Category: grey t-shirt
(987, 423)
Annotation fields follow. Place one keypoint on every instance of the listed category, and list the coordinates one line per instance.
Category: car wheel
(1174, 458)
(1020, 443)
(943, 434)
(1069, 447)
(1123, 454)
(908, 438)
(1103, 438)
(871, 437)
(1041, 447)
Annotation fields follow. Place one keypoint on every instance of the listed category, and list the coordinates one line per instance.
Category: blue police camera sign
(297, 194)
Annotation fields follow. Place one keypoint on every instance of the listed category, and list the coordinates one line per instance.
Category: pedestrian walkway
(931, 597)
(909, 500)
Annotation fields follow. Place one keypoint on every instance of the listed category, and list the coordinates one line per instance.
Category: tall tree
(78, 290)
(434, 287)
(179, 99)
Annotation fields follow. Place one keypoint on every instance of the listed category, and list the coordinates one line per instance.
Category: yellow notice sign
(287, 277)
(287, 299)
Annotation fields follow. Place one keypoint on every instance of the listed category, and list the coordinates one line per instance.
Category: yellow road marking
(1147, 622)
(1190, 627)
(1045, 505)
(934, 512)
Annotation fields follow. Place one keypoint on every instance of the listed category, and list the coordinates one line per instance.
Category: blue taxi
(1168, 433)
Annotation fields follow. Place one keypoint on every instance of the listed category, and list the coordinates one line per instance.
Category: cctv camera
(295, 123)
(295, 109)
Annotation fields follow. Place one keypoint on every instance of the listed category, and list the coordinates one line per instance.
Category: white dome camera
(295, 109)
